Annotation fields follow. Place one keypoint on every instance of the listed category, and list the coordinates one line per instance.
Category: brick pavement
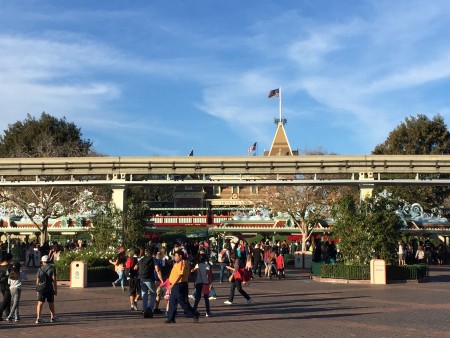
(295, 307)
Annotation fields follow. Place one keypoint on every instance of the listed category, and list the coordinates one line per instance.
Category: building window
(216, 190)
(254, 190)
(235, 189)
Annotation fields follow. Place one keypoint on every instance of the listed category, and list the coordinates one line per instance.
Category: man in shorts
(49, 293)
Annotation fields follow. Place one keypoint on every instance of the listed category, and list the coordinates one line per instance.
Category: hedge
(95, 274)
(403, 272)
(362, 272)
(342, 271)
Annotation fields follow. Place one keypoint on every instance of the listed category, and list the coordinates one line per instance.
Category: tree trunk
(44, 231)
(306, 234)
(303, 243)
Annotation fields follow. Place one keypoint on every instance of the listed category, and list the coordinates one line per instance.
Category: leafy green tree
(43, 137)
(113, 227)
(366, 230)
(106, 230)
(134, 220)
(47, 136)
(418, 136)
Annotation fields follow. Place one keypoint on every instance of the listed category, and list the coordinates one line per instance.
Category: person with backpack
(224, 260)
(131, 271)
(5, 269)
(203, 281)
(47, 289)
(240, 276)
(146, 267)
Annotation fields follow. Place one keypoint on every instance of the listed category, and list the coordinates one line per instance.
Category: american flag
(252, 148)
(274, 93)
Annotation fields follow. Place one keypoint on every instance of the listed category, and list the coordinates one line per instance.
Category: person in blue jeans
(147, 272)
(119, 265)
(224, 260)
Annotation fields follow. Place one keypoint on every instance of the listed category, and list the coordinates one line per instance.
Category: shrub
(353, 272)
(362, 272)
(366, 229)
(403, 272)
(90, 256)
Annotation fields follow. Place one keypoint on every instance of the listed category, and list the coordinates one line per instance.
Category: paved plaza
(295, 307)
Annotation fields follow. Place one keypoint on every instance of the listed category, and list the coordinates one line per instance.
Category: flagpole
(279, 91)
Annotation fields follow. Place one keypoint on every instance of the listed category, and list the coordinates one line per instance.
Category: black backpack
(147, 268)
(4, 273)
(45, 283)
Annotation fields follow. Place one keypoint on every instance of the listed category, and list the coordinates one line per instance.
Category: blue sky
(144, 78)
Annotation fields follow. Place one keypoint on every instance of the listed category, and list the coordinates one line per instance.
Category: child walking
(15, 286)
(280, 266)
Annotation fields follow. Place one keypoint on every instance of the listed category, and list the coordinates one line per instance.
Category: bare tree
(42, 203)
(305, 205)
(44, 137)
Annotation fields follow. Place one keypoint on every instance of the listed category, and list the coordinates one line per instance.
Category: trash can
(298, 260)
(307, 260)
(78, 274)
(378, 271)
(37, 256)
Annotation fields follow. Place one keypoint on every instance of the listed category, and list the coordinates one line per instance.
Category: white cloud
(351, 68)
(414, 75)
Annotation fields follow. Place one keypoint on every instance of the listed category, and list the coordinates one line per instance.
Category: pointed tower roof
(280, 144)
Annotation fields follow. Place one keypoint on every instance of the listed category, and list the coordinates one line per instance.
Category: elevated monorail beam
(260, 182)
(243, 165)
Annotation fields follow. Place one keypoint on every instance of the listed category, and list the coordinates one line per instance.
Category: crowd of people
(422, 252)
(159, 273)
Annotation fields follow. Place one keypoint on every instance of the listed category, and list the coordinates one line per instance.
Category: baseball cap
(44, 258)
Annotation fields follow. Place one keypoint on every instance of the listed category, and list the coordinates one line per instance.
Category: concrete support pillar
(366, 187)
(119, 196)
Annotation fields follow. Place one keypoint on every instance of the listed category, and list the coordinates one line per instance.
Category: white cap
(44, 258)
